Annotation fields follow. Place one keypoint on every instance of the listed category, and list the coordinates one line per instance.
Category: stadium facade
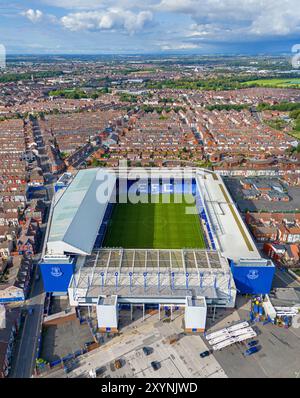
(111, 278)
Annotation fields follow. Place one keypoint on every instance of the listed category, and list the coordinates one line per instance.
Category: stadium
(150, 238)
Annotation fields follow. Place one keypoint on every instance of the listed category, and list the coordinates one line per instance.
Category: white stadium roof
(77, 215)
(232, 236)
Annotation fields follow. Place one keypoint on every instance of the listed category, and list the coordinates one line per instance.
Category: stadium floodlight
(2, 56)
(215, 283)
(116, 275)
(173, 281)
(102, 280)
(201, 279)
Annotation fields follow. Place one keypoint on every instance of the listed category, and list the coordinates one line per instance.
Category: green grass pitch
(154, 225)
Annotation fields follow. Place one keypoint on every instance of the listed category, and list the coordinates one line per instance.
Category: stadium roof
(77, 215)
(143, 273)
(232, 236)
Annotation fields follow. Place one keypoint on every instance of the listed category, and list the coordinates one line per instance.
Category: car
(147, 350)
(204, 354)
(118, 364)
(155, 365)
(251, 351)
(112, 367)
(100, 371)
(253, 343)
(30, 311)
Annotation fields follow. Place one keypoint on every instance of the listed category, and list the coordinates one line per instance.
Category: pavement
(59, 341)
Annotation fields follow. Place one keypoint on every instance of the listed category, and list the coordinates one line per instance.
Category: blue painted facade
(57, 276)
(253, 279)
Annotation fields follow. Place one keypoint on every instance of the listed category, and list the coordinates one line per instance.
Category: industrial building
(111, 278)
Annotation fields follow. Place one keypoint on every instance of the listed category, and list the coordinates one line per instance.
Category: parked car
(30, 310)
(100, 371)
(118, 364)
(251, 351)
(253, 343)
(155, 365)
(204, 354)
(147, 350)
(112, 367)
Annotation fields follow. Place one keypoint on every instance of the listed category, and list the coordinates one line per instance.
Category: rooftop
(153, 273)
(75, 211)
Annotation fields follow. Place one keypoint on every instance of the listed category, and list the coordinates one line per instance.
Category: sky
(149, 26)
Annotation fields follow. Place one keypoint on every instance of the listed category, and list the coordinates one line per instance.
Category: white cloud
(178, 46)
(89, 5)
(110, 19)
(73, 4)
(33, 15)
(251, 18)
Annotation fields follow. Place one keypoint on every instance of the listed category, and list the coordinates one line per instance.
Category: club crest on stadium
(253, 274)
(56, 272)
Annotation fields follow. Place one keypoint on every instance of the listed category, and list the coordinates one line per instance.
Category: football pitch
(154, 226)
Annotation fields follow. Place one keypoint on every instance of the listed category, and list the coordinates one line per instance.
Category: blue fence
(103, 227)
(203, 216)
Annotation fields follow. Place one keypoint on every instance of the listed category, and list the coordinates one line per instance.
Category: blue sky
(146, 26)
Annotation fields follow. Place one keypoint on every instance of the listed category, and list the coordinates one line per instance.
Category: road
(256, 114)
(284, 279)
(27, 344)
